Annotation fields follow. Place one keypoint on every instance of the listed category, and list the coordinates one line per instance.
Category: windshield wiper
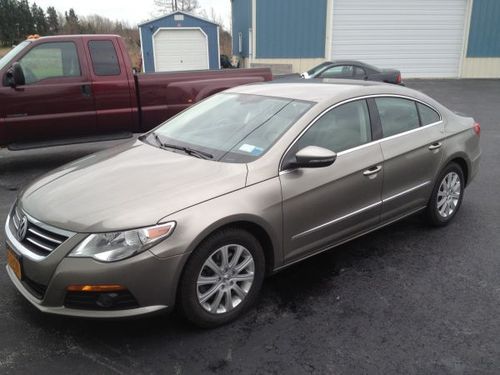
(187, 150)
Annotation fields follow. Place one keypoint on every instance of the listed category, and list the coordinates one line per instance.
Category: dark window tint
(427, 115)
(340, 71)
(397, 115)
(104, 58)
(50, 60)
(342, 128)
(359, 72)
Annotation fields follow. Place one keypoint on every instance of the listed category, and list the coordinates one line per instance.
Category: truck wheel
(222, 278)
(446, 196)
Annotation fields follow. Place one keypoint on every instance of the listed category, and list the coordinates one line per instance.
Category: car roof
(324, 90)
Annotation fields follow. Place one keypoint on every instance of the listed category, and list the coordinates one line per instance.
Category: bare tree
(169, 6)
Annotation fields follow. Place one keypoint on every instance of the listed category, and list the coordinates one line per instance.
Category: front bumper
(151, 280)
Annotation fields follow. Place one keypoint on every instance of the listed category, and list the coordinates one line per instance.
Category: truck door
(111, 86)
(56, 100)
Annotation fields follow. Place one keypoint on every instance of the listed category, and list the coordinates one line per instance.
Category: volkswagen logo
(23, 228)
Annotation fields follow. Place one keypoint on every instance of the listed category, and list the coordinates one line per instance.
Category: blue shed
(179, 41)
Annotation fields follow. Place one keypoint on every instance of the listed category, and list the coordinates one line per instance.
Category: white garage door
(180, 49)
(422, 38)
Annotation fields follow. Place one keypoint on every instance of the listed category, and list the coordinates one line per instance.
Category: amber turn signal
(95, 288)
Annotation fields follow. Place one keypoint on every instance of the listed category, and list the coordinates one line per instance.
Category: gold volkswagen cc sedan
(198, 211)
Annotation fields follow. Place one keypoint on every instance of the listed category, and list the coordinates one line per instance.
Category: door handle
(372, 170)
(435, 146)
(86, 90)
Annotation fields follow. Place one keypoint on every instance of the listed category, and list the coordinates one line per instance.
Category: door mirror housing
(312, 157)
(15, 75)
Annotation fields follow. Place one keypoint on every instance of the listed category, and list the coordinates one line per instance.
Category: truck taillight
(477, 128)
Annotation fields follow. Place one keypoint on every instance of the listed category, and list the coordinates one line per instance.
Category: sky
(133, 12)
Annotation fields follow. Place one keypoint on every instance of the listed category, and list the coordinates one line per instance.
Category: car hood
(129, 186)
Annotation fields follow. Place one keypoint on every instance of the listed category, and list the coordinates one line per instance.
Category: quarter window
(50, 60)
(104, 58)
(341, 128)
(359, 72)
(427, 115)
(397, 115)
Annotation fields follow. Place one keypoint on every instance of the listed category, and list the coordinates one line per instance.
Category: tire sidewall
(188, 297)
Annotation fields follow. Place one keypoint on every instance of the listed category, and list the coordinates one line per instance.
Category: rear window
(427, 114)
(104, 58)
(397, 115)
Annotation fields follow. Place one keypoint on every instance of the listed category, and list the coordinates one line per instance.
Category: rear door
(113, 90)
(56, 101)
(325, 205)
(411, 145)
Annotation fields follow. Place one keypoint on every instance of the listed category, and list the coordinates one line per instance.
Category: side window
(397, 115)
(341, 128)
(340, 71)
(359, 72)
(104, 58)
(50, 60)
(427, 115)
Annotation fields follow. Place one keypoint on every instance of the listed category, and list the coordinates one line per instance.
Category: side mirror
(15, 75)
(312, 157)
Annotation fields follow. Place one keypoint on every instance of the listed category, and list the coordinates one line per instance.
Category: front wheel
(222, 278)
(446, 196)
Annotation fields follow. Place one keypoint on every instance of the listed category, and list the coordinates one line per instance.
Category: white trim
(465, 45)
(171, 14)
(180, 28)
(142, 51)
(218, 49)
(250, 44)
(254, 32)
(329, 30)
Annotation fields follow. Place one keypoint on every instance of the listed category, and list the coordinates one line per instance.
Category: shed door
(421, 38)
(180, 49)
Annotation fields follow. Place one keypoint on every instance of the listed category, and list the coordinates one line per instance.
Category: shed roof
(177, 12)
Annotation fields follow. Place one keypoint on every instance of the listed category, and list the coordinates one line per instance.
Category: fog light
(106, 300)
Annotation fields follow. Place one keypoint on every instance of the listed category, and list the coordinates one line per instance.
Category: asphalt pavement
(407, 299)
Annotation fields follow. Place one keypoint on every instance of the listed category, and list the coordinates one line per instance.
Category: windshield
(13, 52)
(317, 68)
(232, 127)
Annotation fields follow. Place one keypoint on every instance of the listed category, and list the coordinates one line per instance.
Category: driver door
(56, 100)
(322, 206)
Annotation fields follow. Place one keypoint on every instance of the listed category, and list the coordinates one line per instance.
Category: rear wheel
(222, 278)
(446, 196)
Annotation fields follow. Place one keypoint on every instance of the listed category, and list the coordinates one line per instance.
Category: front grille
(40, 240)
(121, 300)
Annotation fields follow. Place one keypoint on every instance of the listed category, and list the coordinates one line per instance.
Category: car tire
(446, 196)
(214, 291)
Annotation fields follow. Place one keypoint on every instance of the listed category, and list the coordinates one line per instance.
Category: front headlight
(110, 247)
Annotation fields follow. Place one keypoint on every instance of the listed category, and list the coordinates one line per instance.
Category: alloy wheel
(225, 279)
(448, 194)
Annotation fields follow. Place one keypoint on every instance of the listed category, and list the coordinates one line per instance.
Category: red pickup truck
(77, 88)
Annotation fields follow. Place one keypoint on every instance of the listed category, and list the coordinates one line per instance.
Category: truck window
(104, 58)
(50, 60)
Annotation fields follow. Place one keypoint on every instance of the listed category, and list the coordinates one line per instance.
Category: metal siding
(484, 32)
(290, 28)
(421, 38)
(149, 28)
(241, 21)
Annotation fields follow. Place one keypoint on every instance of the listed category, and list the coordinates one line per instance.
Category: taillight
(398, 78)
(477, 128)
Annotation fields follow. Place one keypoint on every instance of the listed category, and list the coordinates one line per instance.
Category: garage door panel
(180, 49)
(421, 38)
